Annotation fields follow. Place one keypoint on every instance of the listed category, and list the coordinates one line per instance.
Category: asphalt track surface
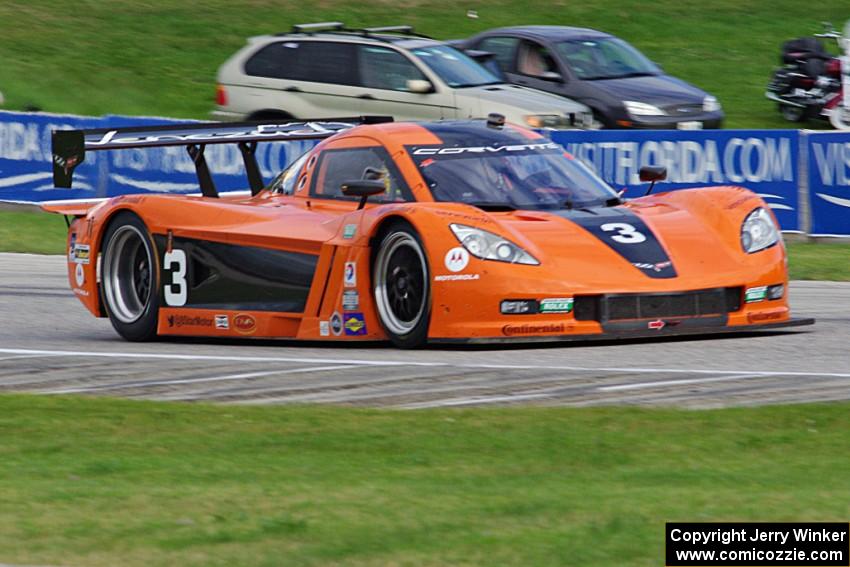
(49, 344)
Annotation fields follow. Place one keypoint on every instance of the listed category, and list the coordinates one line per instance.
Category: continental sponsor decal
(762, 316)
(245, 324)
(529, 329)
(177, 321)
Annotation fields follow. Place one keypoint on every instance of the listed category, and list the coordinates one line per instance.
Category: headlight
(547, 121)
(710, 104)
(489, 246)
(642, 109)
(758, 231)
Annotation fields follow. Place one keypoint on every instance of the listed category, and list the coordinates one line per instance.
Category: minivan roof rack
(339, 27)
(317, 26)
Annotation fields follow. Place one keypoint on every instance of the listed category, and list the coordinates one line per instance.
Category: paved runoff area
(49, 344)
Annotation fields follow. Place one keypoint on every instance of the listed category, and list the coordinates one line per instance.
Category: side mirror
(419, 86)
(552, 76)
(653, 174)
(363, 188)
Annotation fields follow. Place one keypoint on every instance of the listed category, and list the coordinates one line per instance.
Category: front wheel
(128, 278)
(402, 289)
(839, 117)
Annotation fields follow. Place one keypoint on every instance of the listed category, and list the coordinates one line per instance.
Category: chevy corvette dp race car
(415, 232)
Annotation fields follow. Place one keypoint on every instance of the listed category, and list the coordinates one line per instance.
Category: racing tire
(401, 285)
(792, 113)
(129, 284)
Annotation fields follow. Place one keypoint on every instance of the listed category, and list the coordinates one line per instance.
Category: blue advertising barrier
(828, 156)
(764, 161)
(25, 161)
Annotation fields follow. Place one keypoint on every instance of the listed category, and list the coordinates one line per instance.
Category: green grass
(36, 233)
(159, 57)
(107, 482)
(819, 261)
(43, 233)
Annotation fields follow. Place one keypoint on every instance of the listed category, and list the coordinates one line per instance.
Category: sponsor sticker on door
(350, 276)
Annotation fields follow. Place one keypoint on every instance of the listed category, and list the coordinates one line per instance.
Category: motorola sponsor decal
(79, 275)
(456, 259)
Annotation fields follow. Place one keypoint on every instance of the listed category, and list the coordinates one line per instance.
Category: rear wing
(70, 146)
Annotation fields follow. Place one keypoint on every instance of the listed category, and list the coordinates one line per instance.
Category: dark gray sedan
(622, 86)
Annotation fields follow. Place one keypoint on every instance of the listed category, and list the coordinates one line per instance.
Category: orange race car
(450, 231)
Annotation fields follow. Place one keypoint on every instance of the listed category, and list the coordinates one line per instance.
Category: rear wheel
(401, 283)
(128, 278)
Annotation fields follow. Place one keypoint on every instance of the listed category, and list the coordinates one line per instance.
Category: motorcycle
(809, 84)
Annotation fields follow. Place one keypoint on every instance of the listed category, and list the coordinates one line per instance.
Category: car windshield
(535, 176)
(605, 58)
(455, 68)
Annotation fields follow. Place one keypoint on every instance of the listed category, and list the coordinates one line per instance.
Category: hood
(515, 101)
(659, 90)
(648, 246)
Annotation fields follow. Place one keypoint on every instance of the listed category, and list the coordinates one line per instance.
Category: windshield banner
(25, 161)
(829, 182)
(764, 161)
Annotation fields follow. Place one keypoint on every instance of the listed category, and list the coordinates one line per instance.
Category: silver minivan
(326, 70)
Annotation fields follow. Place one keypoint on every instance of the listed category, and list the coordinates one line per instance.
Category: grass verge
(102, 482)
(160, 57)
(42, 233)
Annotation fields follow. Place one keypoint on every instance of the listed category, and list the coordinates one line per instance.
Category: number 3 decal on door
(175, 292)
(626, 233)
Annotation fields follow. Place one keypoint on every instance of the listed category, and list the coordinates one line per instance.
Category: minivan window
(383, 68)
(315, 61)
(457, 69)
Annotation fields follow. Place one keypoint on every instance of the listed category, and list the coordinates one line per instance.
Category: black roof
(552, 33)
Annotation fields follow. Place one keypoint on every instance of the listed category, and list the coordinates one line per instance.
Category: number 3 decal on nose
(626, 233)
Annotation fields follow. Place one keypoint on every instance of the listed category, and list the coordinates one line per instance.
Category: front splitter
(671, 331)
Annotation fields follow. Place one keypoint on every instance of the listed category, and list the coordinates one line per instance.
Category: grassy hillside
(159, 57)
(109, 482)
